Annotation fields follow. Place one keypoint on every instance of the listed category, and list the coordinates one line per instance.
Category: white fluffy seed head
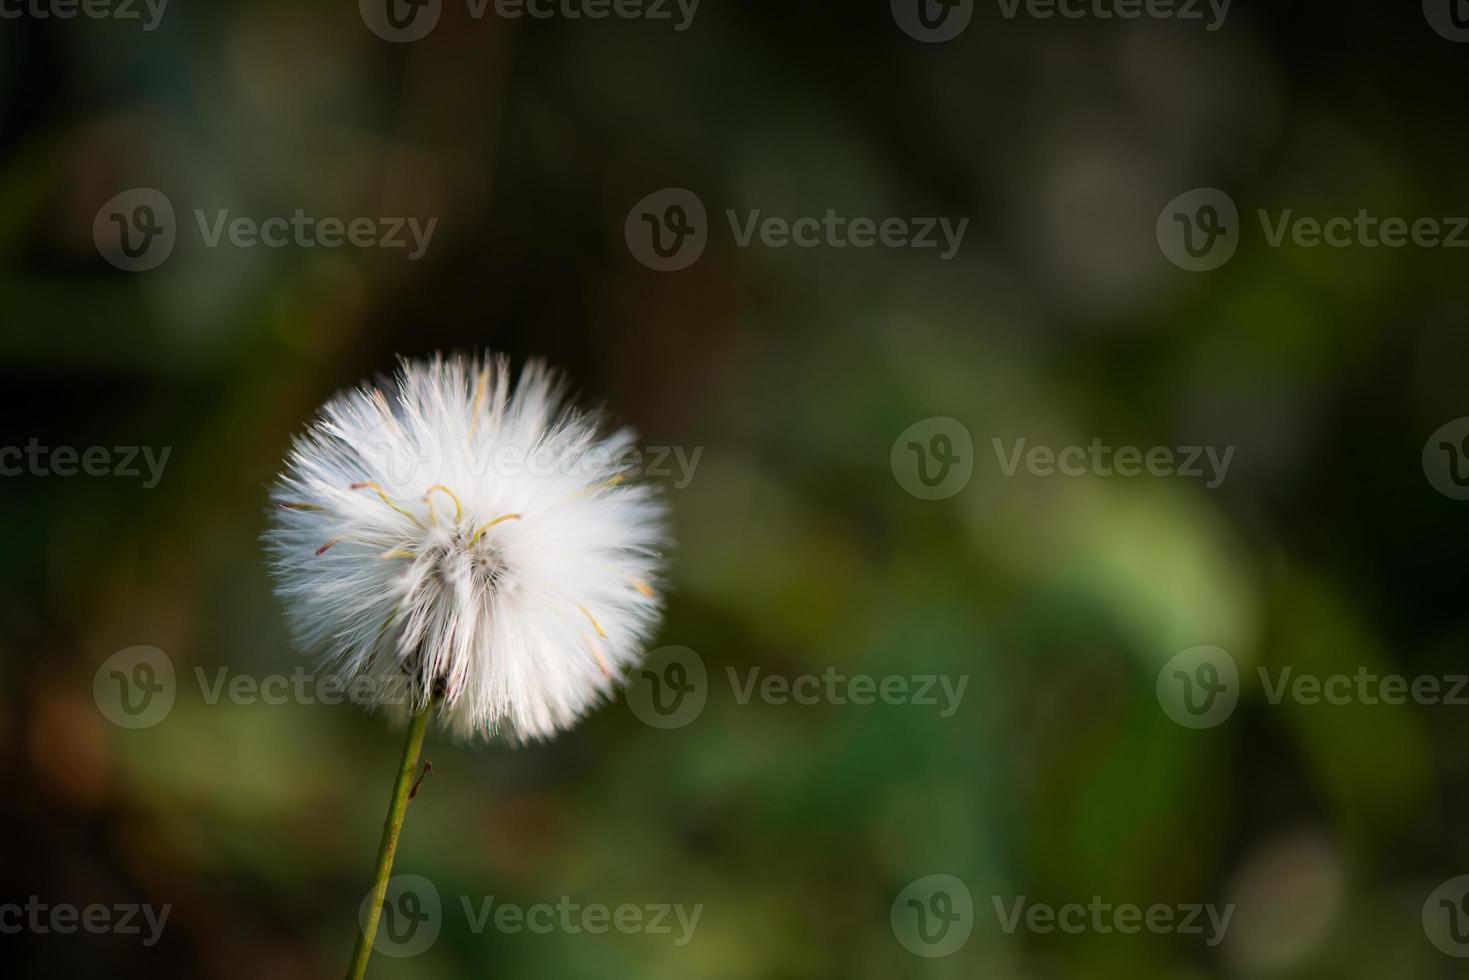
(462, 537)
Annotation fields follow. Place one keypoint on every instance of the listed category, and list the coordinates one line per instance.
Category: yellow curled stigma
(428, 499)
(596, 649)
(373, 486)
(593, 620)
(643, 587)
(397, 553)
(486, 526)
(609, 482)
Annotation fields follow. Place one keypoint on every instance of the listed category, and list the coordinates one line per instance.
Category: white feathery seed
(468, 539)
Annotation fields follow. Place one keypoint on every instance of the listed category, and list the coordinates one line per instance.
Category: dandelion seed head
(462, 535)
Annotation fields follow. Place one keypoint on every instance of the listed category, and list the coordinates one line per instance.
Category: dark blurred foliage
(794, 370)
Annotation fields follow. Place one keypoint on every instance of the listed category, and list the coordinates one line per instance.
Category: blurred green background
(794, 371)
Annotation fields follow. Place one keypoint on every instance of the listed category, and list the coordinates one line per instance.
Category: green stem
(389, 846)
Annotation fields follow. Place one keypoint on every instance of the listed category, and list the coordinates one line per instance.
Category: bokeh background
(1327, 548)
